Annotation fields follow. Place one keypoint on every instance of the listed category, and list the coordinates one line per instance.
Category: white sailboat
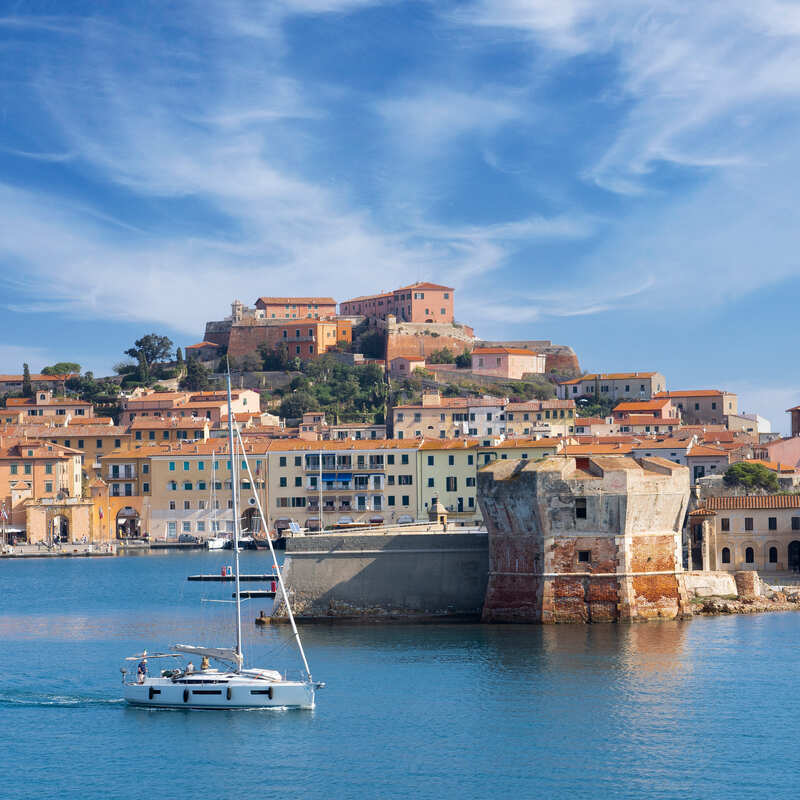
(214, 542)
(233, 685)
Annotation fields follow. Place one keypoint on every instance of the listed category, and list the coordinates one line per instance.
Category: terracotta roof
(301, 301)
(598, 449)
(161, 397)
(695, 393)
(109, 421)
(664, 444)
(539, 405)
(425, 285)
(37, 378)
(416, 358)
(510, 351)
(753, 502)
(642, 405)
(702, 512)
(362, 297)
(201, 344)
(85, 428)
(591, 421)
(610, 376)
(647, 419)
(281, 445)
(27, 402)
(771, 465)
(707, 452)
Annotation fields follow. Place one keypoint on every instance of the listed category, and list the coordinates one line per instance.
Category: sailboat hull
(219, 693)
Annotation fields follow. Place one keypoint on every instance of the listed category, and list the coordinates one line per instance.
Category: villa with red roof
(419, 302)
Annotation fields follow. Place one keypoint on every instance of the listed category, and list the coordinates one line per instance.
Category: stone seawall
(386, 576)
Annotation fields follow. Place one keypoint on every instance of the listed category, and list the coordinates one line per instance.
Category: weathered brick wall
(631, 534)
(245, 339)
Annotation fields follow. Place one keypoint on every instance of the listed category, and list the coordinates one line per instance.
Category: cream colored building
(356, 482)
(449, 417)
(536, 418)
(614, 386)
(703, 406)
(752, 532)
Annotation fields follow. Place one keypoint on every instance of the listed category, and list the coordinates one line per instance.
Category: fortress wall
(631, 533)
(386, 575)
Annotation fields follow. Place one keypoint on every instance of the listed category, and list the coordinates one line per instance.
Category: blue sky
(615, 176)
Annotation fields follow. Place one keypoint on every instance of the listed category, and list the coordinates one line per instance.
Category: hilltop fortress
(417, 320)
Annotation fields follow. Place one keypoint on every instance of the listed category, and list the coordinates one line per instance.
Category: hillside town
(375, 411)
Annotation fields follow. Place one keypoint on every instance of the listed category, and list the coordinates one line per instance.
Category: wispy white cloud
(686, 69)
(430, 118)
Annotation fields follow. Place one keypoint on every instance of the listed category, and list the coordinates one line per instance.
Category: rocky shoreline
(776, 601)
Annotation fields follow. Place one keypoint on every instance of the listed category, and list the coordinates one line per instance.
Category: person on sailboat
(141, 670)
(204, 663)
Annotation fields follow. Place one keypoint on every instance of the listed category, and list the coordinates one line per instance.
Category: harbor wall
(386, 576)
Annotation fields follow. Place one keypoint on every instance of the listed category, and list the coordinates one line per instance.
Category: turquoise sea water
(699, 709)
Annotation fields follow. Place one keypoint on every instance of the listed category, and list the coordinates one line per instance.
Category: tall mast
(321, 518)
(278, 570)
(234, 482)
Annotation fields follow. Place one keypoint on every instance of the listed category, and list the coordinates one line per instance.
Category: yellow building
(32, 470)
(448, 470)
(539, 418)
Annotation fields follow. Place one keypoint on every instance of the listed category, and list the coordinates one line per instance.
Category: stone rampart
(594, 541)
(386, 575)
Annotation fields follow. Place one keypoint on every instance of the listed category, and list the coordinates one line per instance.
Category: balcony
(127, 474)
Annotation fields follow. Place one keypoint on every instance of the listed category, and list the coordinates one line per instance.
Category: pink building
(419, 302)
(296, 307)
(506, 362)
(403, 366)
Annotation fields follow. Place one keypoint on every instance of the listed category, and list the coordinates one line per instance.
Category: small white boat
(235, 686)
(217, 543)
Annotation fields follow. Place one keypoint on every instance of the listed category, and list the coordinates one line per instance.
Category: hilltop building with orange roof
(419, 302)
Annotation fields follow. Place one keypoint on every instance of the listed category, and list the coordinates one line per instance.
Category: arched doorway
(129, 525)
(773, 555)
(251, 522)
(59, 529)
(726, 555)
(794, 556)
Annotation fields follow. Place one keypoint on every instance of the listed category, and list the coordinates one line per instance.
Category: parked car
(187, 538)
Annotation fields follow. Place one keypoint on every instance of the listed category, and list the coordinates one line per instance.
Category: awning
(227, 654)
(329, 477)
(344, 476)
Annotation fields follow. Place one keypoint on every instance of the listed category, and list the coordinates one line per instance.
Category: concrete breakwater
(386, 575)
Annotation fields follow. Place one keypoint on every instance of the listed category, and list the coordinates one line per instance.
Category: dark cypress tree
(27, 388)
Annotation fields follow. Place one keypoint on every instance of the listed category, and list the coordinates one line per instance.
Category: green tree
(464, 361)
(151, 348)
(197, 376)
(62, 368)
(751, 476)
(296, 404)
(442, 356)
(27, 388)
(179, 356)
(274, 359)
(250, 363)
